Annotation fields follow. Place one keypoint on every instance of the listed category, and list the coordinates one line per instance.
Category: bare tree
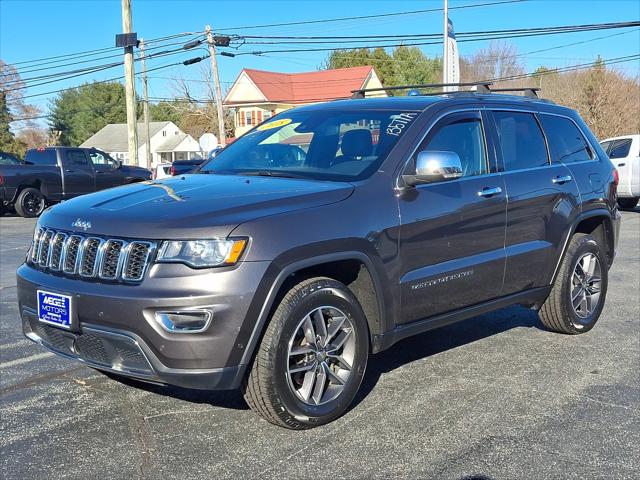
(498, 60)
(196, 105)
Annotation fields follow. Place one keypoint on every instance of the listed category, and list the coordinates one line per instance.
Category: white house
(168, 142)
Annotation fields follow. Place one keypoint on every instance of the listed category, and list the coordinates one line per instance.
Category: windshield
(318, 144)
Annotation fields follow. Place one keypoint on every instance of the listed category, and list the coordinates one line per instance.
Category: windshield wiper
(270, 173)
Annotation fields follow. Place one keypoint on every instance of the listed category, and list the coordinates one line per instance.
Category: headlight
(202, 253)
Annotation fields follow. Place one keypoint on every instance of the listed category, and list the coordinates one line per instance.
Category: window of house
(164, 133)
(267, 114)
(521, 140)
(566, 142)
(247, 116)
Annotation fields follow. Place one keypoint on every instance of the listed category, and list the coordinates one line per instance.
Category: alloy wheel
(33, 203)
(586, 285)
(321, 355)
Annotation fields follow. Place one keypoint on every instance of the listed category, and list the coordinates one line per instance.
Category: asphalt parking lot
(493, 397)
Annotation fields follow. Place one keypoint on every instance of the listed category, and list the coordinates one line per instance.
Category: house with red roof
(257, 95)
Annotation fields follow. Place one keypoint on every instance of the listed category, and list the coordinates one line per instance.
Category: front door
(452, 231)
(108, 172)
(77, 173)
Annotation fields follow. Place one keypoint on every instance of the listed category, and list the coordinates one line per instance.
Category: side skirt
(534, 297)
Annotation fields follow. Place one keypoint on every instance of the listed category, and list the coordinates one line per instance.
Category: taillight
(616, 177)
(172, 171)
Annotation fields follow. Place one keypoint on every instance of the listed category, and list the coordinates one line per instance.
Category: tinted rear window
(521, 140)
(41, 157)
(566, 142)
(620, 148)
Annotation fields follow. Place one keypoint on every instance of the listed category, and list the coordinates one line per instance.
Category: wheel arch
(354, 268)
(599, 224)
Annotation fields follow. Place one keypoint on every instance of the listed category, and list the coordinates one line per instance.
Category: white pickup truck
(624, 152)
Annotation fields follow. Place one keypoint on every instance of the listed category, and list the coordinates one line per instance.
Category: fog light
(185, 321)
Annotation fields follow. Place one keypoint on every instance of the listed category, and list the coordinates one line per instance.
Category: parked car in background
(161, 170)
(624, 152)
(179, 167)
(9, 159)
(50, 175)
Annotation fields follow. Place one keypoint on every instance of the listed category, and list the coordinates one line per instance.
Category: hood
(190, 206)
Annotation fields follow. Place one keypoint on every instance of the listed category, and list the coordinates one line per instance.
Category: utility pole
(222, 139)
(130, 86)
(145, 104)
(445, 53)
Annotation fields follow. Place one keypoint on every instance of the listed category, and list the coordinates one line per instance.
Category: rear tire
(30, 203)
(579, 291)
(312, 358)
(628, 203)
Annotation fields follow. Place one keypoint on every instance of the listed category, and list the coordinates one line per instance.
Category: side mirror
(435, 166)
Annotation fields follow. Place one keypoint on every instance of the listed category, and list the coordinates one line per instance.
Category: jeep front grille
(91, 256)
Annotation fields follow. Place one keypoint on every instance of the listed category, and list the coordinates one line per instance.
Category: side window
(620, 148)
(97, 158)
(521, 140)
(464, 136)
(565, 140)
(77, 157)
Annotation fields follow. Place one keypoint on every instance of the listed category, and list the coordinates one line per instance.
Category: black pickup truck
(50, 175)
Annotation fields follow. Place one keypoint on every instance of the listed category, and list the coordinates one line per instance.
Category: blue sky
(34, 29)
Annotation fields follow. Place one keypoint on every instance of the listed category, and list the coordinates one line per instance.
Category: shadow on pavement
(404, 352)
(443, 339)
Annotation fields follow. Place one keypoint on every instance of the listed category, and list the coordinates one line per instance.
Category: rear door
(77, 173)
(452, 231)
(542, 200)
(108, 173)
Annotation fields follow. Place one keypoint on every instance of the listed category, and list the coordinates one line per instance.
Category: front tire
(312, 357)
(628, 203)
(30, 203)
(579, 291)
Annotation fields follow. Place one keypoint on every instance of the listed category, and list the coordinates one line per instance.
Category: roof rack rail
(531, 92)
(481, 87)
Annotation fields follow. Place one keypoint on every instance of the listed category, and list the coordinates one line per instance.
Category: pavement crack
(141, 436)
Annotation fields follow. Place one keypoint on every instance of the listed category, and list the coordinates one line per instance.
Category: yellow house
(257, 95)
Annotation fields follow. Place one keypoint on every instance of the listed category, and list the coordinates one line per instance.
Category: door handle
(621, 164)
(489, 192)
(560, 179)
(68, 170)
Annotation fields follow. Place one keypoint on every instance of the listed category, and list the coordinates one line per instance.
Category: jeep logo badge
(83, 224)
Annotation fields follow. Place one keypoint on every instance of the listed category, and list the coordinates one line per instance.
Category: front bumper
(124, 354)
(113, 326)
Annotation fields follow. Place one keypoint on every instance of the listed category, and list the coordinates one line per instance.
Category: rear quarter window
(566, 142)
(41, 157)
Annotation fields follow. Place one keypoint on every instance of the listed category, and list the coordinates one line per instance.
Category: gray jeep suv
(325, 234)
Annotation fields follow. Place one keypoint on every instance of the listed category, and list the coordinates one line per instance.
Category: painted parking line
(21, 361)
(19, 343)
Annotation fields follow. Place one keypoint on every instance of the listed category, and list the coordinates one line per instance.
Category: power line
(59, 76)
(117, 55)
(99, 50)
(364, 17)
(467, 37)
(102, 81)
